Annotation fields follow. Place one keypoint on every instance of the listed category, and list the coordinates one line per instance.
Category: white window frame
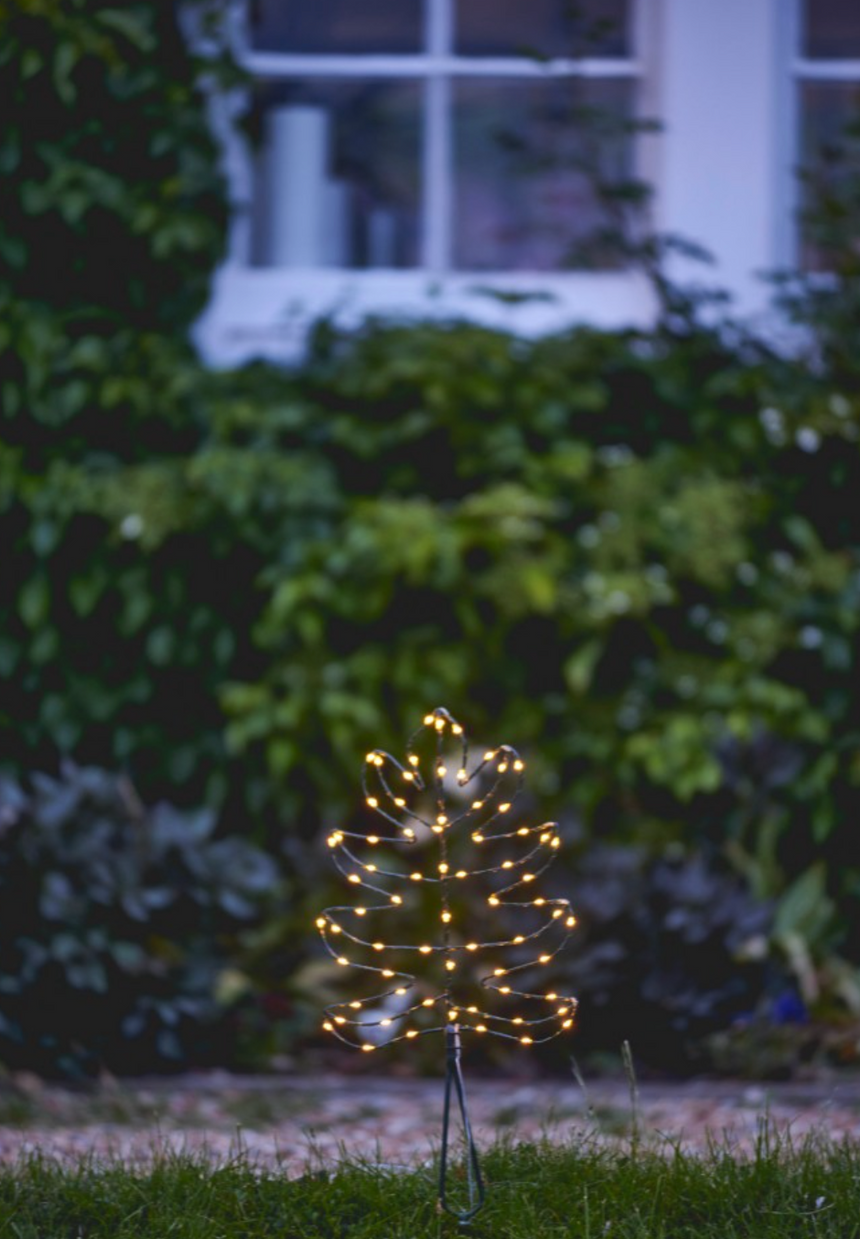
(266, 311)
(437, 68)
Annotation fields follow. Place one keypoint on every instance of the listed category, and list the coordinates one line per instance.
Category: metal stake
(474, 1178)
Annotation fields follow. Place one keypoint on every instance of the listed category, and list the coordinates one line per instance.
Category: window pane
(542, 28)
(338, 175)
(830, 158)
(831, 29)
(528, 158)
(358, 26)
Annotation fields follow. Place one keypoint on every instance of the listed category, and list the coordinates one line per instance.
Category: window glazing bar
(827, 70)
(438, 189)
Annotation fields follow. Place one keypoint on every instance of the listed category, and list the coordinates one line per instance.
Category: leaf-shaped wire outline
(393, 807)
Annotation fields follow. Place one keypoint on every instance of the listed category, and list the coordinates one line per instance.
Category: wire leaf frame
(450, 841)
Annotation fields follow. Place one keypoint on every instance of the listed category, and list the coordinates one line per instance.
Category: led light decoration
(452, 848)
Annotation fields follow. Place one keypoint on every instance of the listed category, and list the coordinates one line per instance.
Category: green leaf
(34, 601)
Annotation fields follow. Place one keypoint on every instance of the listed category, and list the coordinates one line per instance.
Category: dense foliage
(633, 554)
(118, 925)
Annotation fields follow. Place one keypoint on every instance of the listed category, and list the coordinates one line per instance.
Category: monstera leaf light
(450, 846)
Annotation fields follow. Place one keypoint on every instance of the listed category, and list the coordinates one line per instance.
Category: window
(827, 70)
(436, 135)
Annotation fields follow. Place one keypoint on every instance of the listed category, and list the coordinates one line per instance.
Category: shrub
(117, 924)
(669, 952)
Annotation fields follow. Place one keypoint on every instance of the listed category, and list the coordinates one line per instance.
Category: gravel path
(296, 1123)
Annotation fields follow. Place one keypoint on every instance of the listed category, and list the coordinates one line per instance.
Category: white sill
(266, 313)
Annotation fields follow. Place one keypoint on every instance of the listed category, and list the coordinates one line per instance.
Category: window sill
(267, 313)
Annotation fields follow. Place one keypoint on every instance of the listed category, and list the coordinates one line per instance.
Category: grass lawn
(535, 1191)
